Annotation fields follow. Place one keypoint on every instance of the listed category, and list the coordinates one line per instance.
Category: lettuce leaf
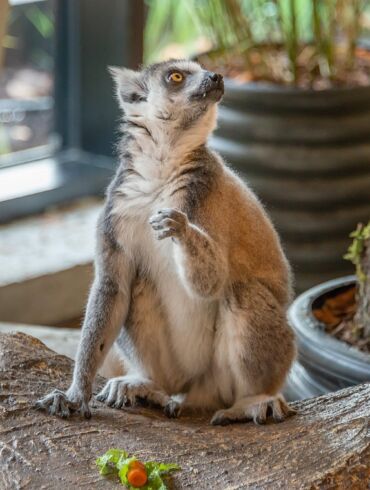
(107, 463)
(118, 461)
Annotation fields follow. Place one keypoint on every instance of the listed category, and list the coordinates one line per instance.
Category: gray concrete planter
(307, 155)
(324, 363)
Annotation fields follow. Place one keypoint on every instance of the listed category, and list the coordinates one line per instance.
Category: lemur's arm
(201, 262)
(106, 312)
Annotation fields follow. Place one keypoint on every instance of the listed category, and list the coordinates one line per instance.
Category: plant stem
(293, 44)
(362, 317)
(354, 31)
(331, 37)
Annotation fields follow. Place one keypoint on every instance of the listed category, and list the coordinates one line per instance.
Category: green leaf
(156, 471)
(165, 468)
(155, 481)
(107, 463)
(123, 467)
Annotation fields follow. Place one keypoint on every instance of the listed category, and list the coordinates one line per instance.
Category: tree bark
(326, 445)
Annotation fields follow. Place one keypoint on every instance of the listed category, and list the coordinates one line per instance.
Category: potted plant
(295, 118)
(332, 324)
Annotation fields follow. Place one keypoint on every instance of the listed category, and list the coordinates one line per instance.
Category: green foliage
(167, 22)
(42, 21)
(224, 23)
(356, 249)
(233, 27)
(117, 462)
(107, 463)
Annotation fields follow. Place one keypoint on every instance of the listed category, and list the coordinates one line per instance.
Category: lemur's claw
(57, 403)
(101, 397)
(172, 409)
(220, 419)
(87, 413)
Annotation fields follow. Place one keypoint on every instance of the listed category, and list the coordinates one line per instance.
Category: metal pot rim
(319, 349)
(288, 90)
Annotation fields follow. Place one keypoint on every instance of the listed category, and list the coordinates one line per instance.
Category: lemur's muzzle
(216, 80)
(212, 87)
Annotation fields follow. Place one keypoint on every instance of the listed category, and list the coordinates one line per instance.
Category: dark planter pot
(324, 363)
(301, 384)
(307, 155)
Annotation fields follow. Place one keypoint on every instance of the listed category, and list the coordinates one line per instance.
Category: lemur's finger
(103, 394)
(172, 409)
(121, 400)
(56, 405)
(175, 214)
(165, 233)
(158, 218)
(260, 416)
(169, 213)
(44, 403)
(101, 397)
(167, 223)
(113, 393)
(48, 400)
(85, 410)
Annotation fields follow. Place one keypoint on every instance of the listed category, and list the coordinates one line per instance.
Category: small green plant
(357, 248)
(359, 254)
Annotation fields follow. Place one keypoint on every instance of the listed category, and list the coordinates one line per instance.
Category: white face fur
(175, 99)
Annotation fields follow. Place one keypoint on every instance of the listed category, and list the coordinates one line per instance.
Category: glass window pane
(27, 82)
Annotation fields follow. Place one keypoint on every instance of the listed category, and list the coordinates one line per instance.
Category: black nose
(215, 77)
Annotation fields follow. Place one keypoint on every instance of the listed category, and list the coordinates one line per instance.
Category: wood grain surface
(326, 445)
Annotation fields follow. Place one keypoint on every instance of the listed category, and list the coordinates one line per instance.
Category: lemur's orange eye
(176, 77)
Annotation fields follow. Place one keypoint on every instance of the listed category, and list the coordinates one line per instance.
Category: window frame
(90, 35)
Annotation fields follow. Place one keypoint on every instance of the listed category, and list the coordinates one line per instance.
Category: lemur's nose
(215, 77)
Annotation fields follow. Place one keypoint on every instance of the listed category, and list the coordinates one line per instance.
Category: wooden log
(326, 445)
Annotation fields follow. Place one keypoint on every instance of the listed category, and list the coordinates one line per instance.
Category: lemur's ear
(130, 87)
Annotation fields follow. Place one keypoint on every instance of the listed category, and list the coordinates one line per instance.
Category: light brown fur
(190, 273)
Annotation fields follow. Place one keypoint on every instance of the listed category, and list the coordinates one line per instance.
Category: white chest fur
(191, 320)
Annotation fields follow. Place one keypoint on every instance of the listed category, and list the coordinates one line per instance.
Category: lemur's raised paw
(58, 403)
(169, 222)
(126, 391)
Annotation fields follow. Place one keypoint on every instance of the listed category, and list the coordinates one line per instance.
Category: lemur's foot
(169, 222)
(246, 409)
(129, 390)
(61, 404)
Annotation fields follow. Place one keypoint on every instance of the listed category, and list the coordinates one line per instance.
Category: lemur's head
(175, 94)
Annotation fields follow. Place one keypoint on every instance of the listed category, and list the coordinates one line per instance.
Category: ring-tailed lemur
(191, 282)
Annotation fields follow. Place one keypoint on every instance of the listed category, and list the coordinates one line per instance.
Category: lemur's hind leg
(254, 408)
(132, 389)
(255, 341)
